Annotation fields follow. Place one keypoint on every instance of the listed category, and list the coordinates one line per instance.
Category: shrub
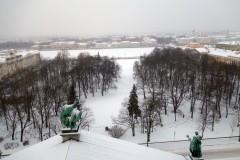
(116, 131)
(25, 143)
(1, 139)
(11, 145)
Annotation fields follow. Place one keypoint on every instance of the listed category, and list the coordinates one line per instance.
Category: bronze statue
(195, 145)
(69, 115)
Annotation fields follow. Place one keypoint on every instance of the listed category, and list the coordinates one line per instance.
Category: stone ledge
(68, 134)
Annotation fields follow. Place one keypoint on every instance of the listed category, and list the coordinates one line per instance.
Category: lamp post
(239, 116)
(239, 131)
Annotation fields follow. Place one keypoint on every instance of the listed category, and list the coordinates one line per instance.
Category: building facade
(12, 61)
(202, 40)
(234, 45)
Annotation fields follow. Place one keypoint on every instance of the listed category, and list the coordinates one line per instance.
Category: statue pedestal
(193, 158)
(67, 134)
(69, 130)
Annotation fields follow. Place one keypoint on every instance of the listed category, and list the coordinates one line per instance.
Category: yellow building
(195, 45)
(11, 61)
(202, 40)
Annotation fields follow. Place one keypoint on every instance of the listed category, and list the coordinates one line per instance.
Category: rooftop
(91, 146)
(230, 43)
(224, 53)
(202, 50)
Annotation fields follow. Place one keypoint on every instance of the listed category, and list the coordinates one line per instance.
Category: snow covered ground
(108, 105)
(104, 107)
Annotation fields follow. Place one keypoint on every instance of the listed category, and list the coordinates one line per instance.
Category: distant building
(35, 47)
(202, 40)
(131, 39)
(115, 45)
(101, 45)
(81, 45)
(135, 44)
(153, 42)
(234, 45)
(11, 61)
(149, 42)
(202, 50)
(63, 45)
(125, 44)
(195, 45)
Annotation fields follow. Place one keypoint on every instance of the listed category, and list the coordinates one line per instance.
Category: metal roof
(91, 146)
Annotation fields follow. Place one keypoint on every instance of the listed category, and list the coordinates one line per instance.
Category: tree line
(169, 77)
(31, 99)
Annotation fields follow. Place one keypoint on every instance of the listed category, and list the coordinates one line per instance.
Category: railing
(184, 144)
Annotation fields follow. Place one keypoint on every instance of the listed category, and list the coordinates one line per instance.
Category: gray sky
(21, 18)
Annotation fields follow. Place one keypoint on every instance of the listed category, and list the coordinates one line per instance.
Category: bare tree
(123, 118)
(87, 118)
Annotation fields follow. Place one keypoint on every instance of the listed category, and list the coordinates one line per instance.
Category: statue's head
(64, 103)
(196, 133)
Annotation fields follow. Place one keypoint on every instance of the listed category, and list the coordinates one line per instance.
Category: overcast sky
(21, 18)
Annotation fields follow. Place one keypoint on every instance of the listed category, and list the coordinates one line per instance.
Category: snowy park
(106, 107)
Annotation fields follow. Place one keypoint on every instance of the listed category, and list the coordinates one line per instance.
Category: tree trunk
(22, 130)
(13, 132)
(133, 129)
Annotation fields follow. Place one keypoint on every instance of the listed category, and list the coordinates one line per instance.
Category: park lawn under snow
(104, 107)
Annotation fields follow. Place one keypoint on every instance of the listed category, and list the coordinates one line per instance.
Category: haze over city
(93, 17)
(120, 79)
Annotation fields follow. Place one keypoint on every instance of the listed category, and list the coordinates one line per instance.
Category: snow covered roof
(91, 146)
(67, 42)
(224, 53)
(82, 43)
(202, 50)
(153, 40)
(2, 59)
(125, 42)
(24, 53)
(230, 43)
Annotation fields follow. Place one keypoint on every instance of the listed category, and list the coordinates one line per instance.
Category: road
(228, 152)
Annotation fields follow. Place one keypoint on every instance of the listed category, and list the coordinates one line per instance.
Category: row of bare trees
(173, 75)
(93, 74)
(33, 97)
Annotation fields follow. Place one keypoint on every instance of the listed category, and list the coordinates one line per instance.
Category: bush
(1, 139)
(25, 143)
(116, 131)
(11, 145)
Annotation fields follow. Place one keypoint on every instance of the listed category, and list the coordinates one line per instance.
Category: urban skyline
(70, 18)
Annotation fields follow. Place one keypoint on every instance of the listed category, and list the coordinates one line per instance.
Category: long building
(202, 40)
(234, 45)
(12, 60)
